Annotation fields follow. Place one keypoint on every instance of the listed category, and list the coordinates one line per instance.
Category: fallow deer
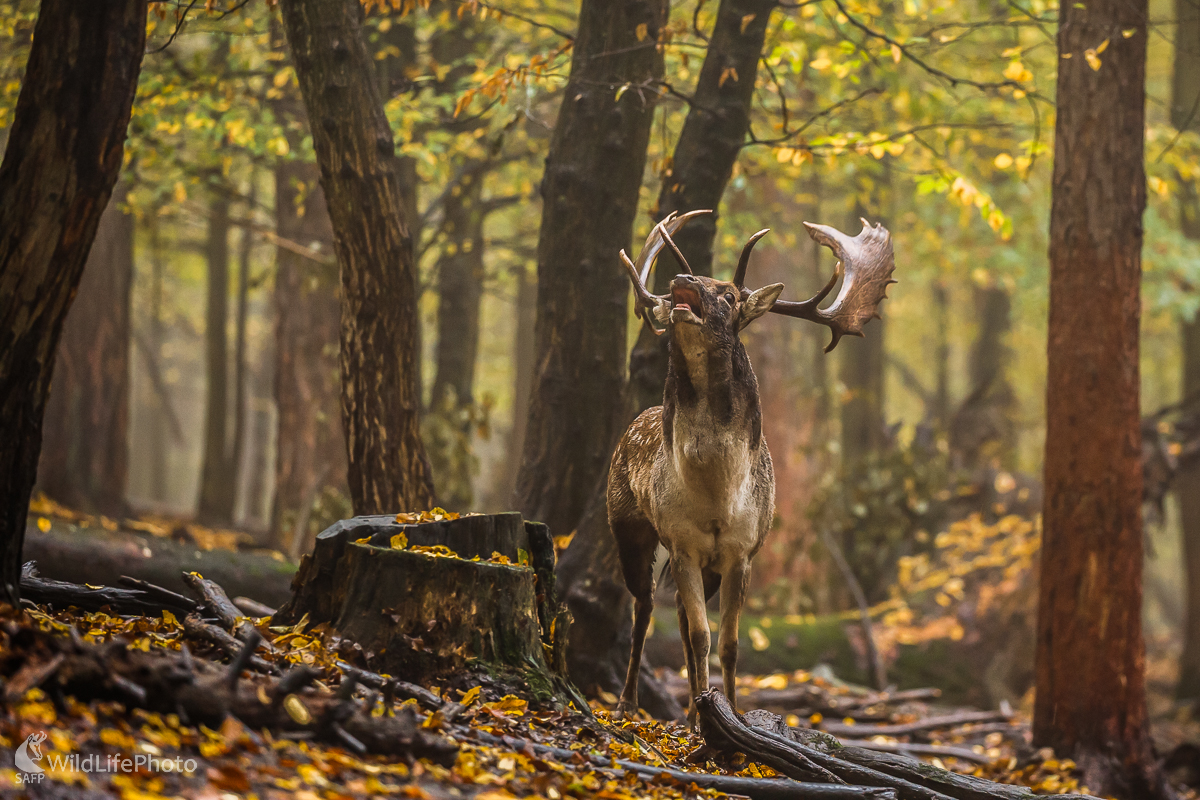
(694, 474)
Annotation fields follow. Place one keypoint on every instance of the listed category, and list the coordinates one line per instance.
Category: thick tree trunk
(712, 137)
(1185, 115)
(1091, 703)
(861, 372)
(85, 452)
(310, 448)
(524, 355)
(218, 484)
(387, 467)
(590, 195)
(63, 155)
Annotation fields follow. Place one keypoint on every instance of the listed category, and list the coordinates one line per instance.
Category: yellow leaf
(820, 64)
(43, 524)
(169, 618)
(1100, 48)
(746, 20)
(784, 154)
(758, 639)
(896, 53)
(726, 74)
(470, 695)
(642, 32)
(1003, 161)
(399, 541)
(180, 192)
(1093, 60)
(1128, 32)
(297, 710)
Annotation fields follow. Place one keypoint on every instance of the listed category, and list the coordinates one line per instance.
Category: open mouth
(684, 298)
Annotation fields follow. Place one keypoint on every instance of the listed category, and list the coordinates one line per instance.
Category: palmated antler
(866, 263)
(639, 270)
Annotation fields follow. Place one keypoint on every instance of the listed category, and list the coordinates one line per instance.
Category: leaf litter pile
(213, 703)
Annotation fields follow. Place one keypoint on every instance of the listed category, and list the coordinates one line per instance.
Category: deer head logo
(30, 752)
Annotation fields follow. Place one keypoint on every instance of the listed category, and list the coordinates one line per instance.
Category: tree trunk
(85, 452)
(1185, 115)
(310, 448)
(982, 431)
(218, 482)
(523, 358)
(590, 195)
(712, 137)
(861, 372)
(1091, 703)
(240, 399)
(64, 151)
(460, 295)
(387, 466)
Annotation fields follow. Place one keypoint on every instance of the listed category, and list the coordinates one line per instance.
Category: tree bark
(982, 431)
(524, 355)
(590, 195)
(1185, 115)
(387, 466)
(218, 482)
(310, 448)
(85, 452)
(64, 152)
(702, 163)
(1090, 662)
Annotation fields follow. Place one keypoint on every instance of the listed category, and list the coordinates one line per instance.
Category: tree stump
(418, 614)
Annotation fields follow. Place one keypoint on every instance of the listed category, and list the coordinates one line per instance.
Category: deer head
(865, 266)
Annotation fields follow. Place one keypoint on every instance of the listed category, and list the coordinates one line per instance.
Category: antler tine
(866, 263)
(675, 251)
(654, 242)
(739, 277)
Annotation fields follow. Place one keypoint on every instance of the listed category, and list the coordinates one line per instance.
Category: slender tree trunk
(590, 193)
(160, 425)
(460, 296)
(1090, 664)
(387, 467)
(523, 360)
(240, 400)
(861, 372)
(217, 485)
(982, 431)
(64, 152)
(941, 310)
(85, 451)
(1185, 115)
(712, 137)
(310, 448)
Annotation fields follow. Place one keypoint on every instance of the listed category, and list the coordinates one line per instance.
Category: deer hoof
(625, 710)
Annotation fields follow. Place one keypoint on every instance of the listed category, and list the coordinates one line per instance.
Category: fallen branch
(200, 692)
(765, 737)
(196, 628)
(754, 788)
(921, 725)
(942, 751)
(213, 597)
(61, 594)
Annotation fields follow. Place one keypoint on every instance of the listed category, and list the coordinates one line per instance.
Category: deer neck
(712, 418)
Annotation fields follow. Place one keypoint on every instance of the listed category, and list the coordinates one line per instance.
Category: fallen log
(135, 600)
(754, 788)
(919, 726)
(946, 751)
(200, 692)
(761, 735)
(213, 597)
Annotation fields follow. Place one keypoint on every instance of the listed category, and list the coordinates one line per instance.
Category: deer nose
(684, 280)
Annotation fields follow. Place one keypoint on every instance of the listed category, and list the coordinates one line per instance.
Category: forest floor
(493, 733)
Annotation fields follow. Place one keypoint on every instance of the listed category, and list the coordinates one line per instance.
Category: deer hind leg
(636, 543)
(733, 594)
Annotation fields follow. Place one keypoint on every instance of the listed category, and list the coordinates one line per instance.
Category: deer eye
(729, 298)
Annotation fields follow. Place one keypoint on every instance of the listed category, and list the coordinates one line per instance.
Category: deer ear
(758, 303)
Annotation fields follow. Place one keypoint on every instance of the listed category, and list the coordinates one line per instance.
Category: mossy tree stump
(418, 615)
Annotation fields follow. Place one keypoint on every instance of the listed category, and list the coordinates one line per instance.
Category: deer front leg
(733, 595)
(690, 583)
